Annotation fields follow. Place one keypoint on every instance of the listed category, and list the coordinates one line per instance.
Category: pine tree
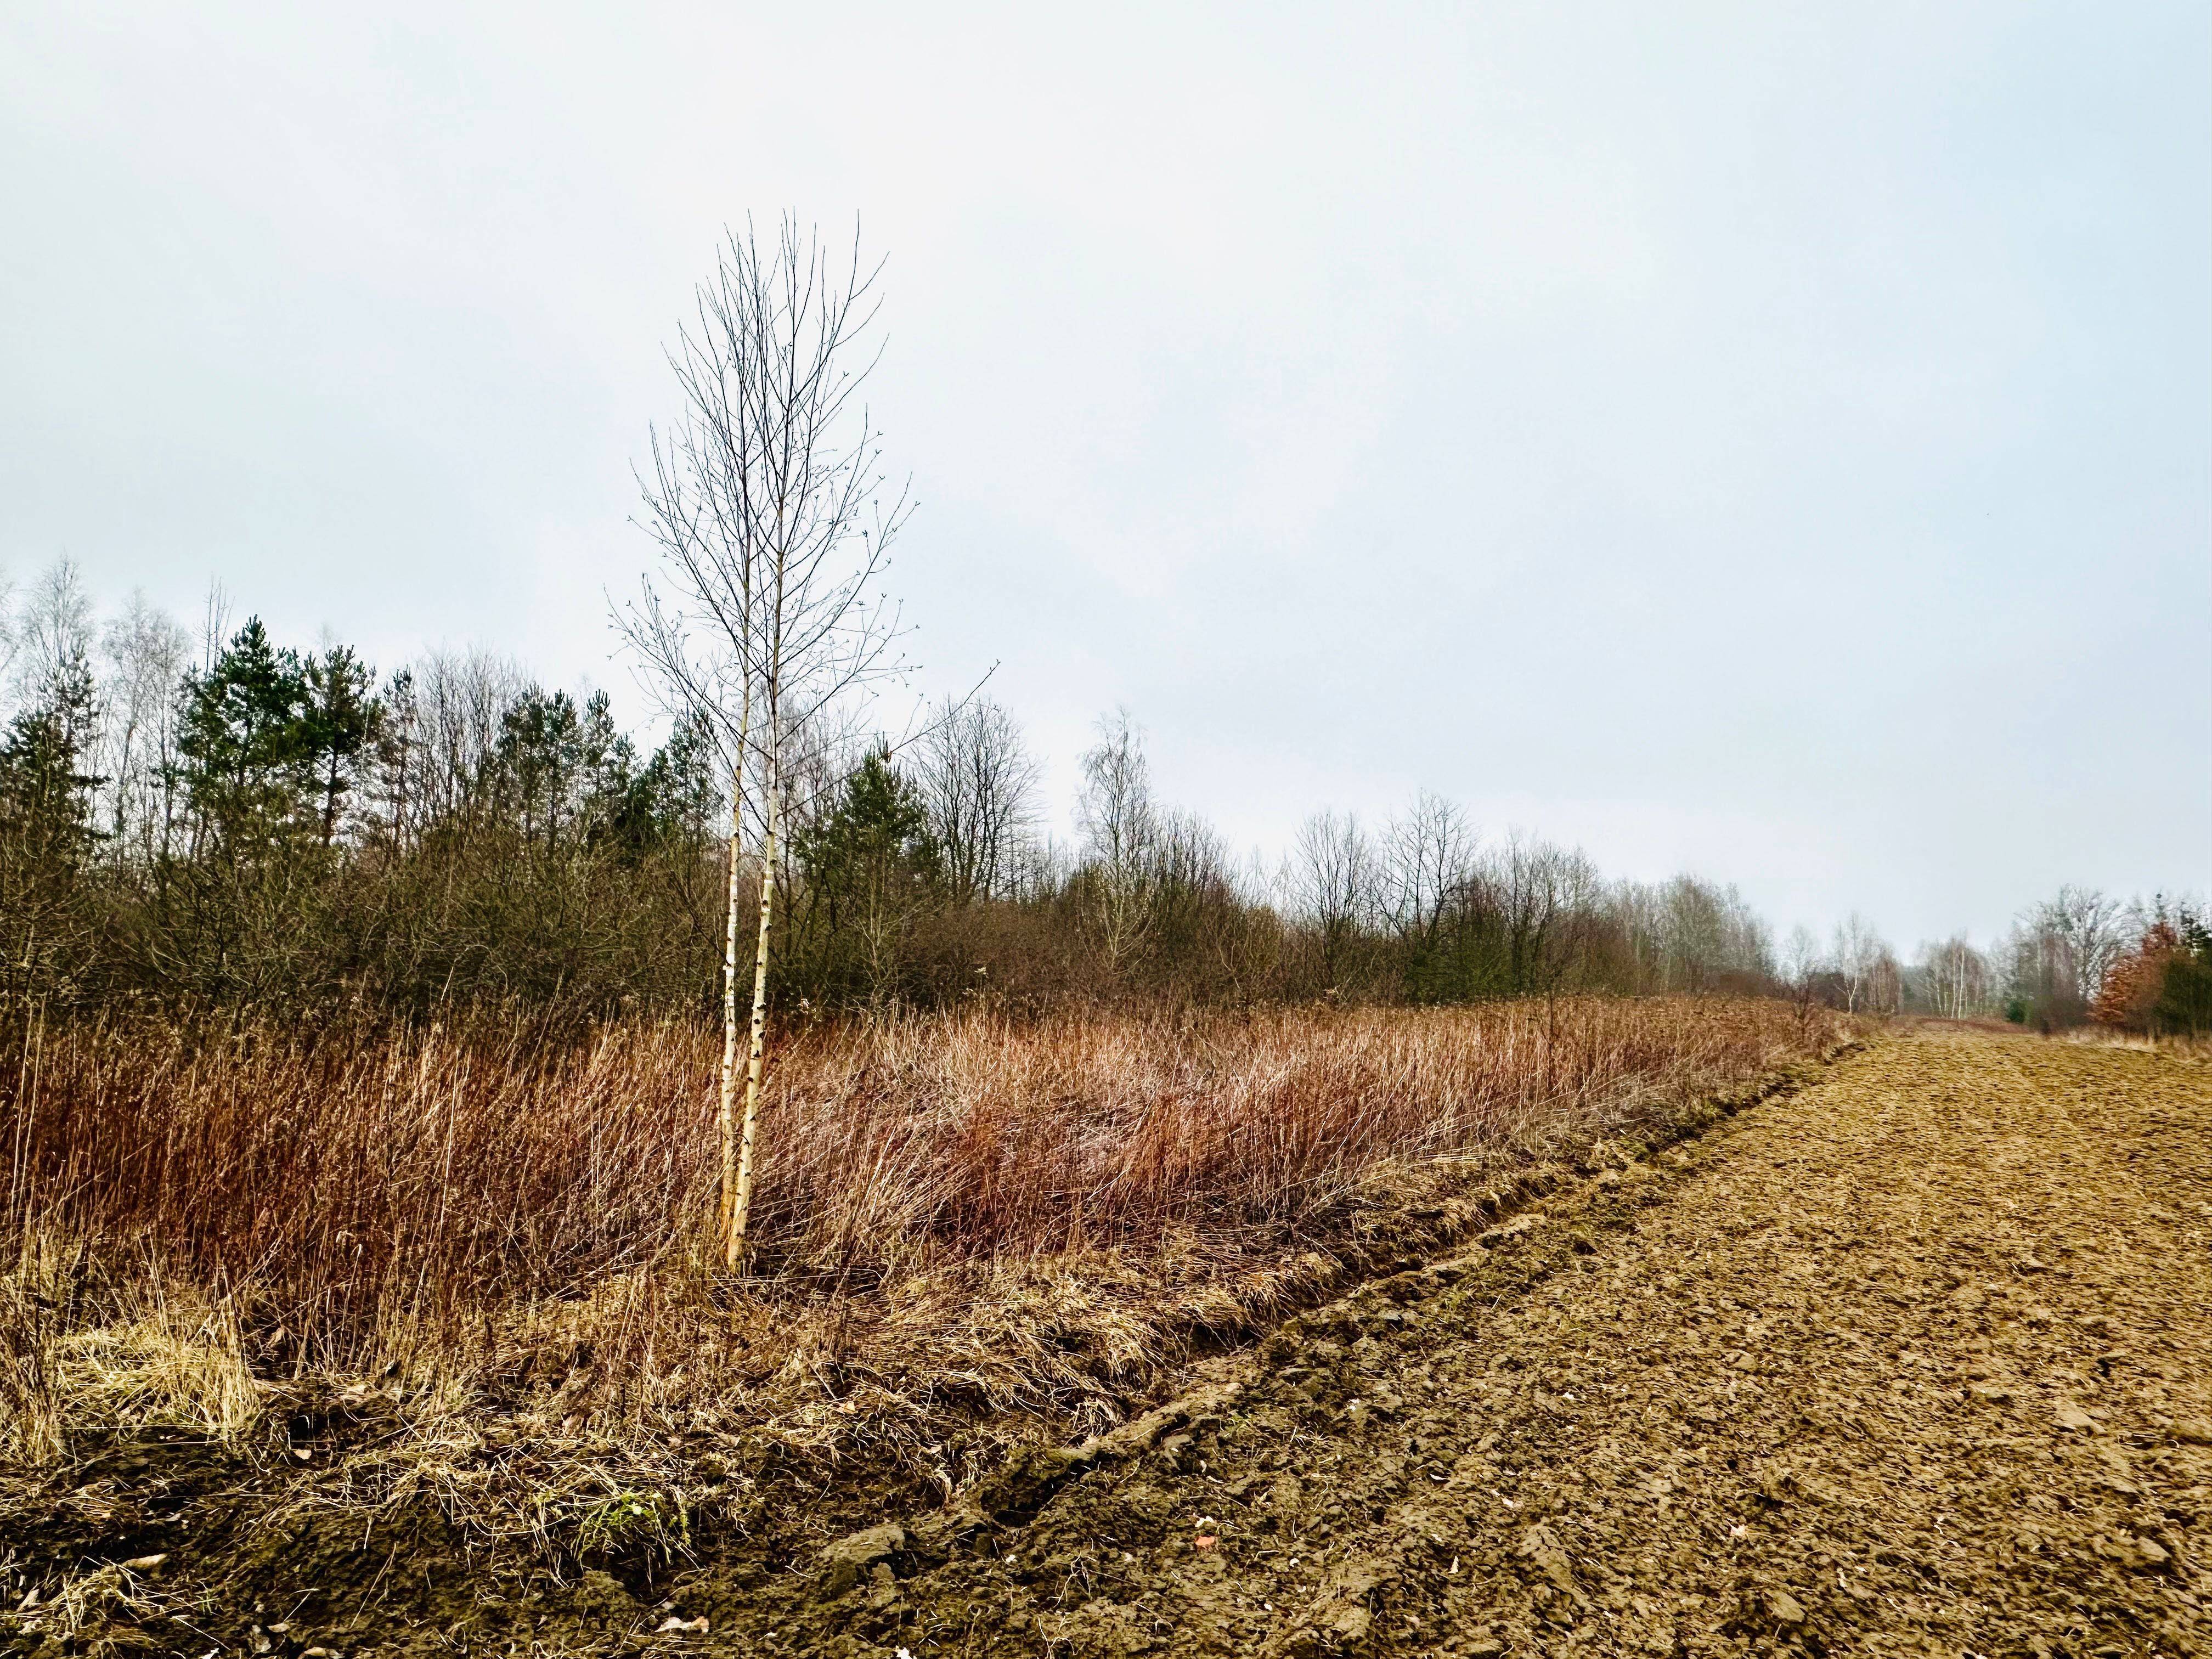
(46, 834)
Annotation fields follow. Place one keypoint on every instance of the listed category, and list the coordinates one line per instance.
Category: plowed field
(1915, 1359)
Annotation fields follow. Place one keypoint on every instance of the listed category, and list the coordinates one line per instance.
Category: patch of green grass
(630, 1521)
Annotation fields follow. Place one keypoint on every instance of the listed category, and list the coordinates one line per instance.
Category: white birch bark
(742, 1208)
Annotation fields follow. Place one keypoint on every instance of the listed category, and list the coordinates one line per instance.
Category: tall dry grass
(338, 1201)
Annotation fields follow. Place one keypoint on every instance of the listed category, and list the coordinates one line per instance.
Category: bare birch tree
(54, 631)
(1120, 829)
(774, 520)
(1953, 980)
(1860, 955)
(145, 651)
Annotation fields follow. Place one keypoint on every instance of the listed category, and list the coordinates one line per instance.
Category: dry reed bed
(352, 1185)
(959, 1210)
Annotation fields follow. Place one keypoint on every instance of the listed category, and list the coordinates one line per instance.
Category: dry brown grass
(2175, 1046)
(490, 1248)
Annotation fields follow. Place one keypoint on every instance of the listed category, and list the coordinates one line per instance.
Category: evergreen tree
(540, 755)
(249, 745)
(2185, 1002)
(46, 834)
(675, 798)
(342, 720)
(873, 869)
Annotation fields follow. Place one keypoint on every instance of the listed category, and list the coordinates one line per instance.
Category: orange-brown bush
(2128, 999)
(491, 1242)
(349, 1190)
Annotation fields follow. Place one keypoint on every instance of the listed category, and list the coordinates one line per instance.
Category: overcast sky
(1766, 440)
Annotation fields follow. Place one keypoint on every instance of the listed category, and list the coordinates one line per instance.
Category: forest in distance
(237, 822)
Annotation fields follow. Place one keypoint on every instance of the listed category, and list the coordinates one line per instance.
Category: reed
(330, 1203)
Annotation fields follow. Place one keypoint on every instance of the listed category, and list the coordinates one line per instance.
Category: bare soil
(1917, 1357)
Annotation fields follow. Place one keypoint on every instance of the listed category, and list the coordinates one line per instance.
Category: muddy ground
(1914, 1358)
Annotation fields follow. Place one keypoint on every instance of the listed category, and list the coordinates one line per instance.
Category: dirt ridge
(1917, 1361)
(1032, 1474)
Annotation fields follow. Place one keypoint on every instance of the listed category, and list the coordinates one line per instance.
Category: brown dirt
(1917, 1359)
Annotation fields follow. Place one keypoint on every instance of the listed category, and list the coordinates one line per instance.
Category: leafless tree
(1863, 960)
(1333, 879)
(215, 625)
(1688, 935)
(145, 653)
(7, 629)
(1427, 857)
(2060, 951)
(1696, 948)
(1955, 980)
(1042, 865)
(2095, 930)
(53, 632)
(1205, 910)
(979, 784)
(1886, 983)
(1537, 890)
(773, 521)
(1802, 965)
(441, 731)
(1121, 827)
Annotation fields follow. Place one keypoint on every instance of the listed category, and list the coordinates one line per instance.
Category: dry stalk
(494, 1257)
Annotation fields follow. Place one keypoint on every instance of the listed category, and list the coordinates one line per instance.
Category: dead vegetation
(472, 1273)
(1912, 1360)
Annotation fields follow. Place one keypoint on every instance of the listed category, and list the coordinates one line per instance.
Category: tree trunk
(735, 1252)
(726, 1125)
(728, 1227)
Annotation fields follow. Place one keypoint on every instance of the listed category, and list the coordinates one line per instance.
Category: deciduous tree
(774, 520)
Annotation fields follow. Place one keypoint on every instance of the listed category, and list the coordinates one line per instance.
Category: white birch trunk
(726, 1122)
(724, 1113)
(736, 1251)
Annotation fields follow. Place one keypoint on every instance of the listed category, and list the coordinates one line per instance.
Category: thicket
(258, 826)
(271, 828)
(2161, 986)
(253, 826)
(2078, 957)
(368, 1194)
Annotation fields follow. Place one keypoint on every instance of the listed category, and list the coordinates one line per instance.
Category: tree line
(239, 821)
(250, 823)
(2078, 957)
